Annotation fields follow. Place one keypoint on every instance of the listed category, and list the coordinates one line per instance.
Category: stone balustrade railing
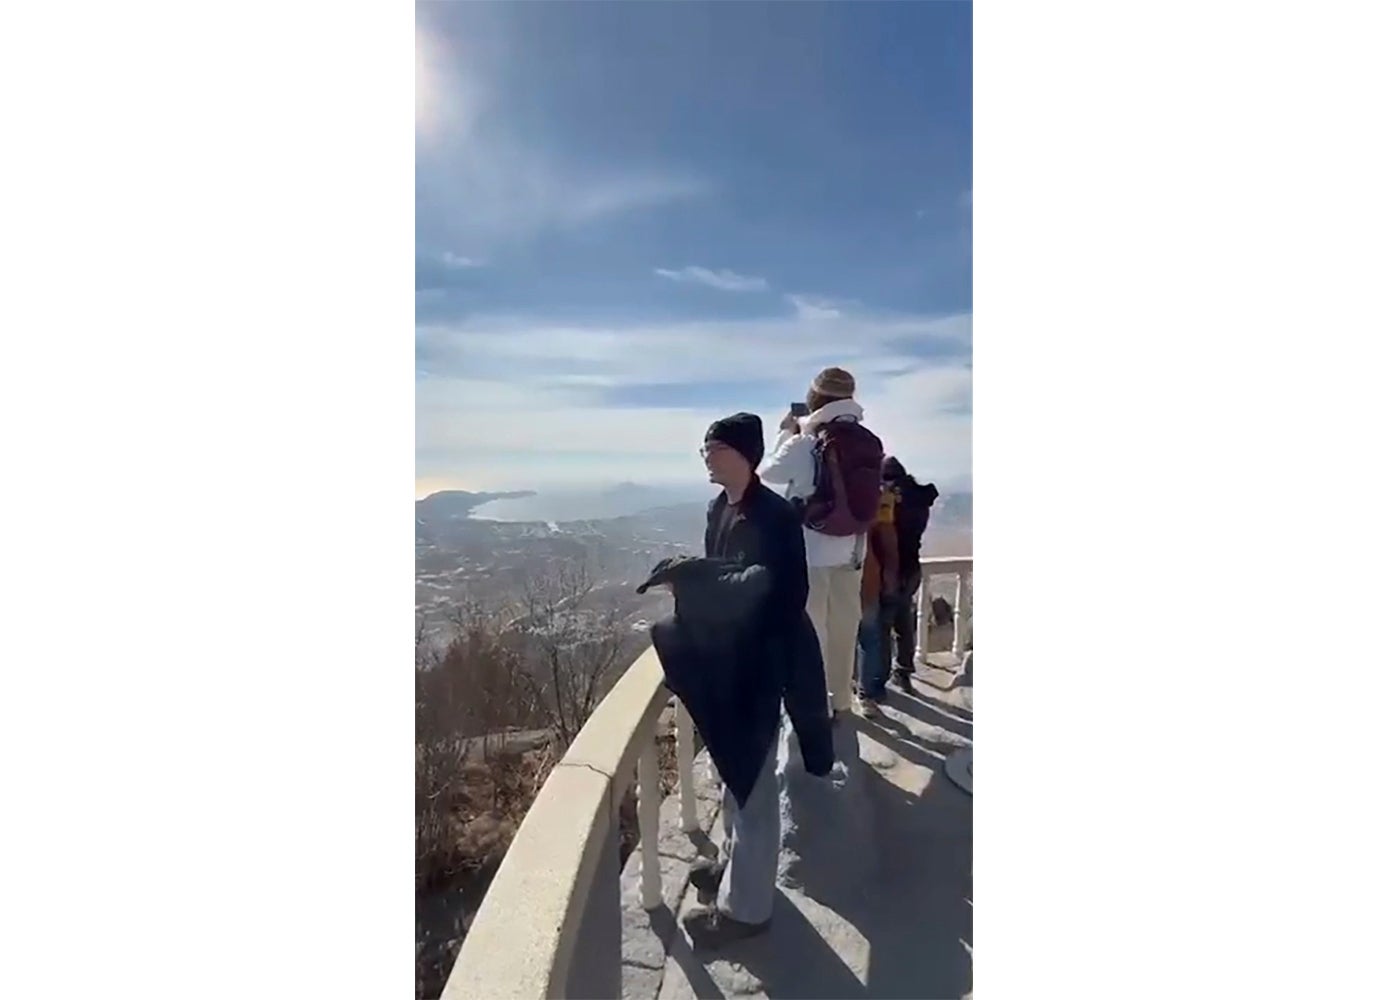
(962, 569)
(551, 923)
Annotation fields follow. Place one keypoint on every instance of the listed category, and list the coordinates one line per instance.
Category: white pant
(752, 847)
(836, 606)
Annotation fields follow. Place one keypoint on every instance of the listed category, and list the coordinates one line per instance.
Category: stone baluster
(967, 615)
(923, 618)
(957, 644)
(684, 762)
(649, 824)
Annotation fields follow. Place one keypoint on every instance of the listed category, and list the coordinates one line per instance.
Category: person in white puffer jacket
(835, 563)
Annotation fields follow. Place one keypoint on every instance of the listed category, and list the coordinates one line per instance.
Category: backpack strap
(841, 491)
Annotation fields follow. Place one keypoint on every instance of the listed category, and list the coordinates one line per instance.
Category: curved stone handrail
(558, 881)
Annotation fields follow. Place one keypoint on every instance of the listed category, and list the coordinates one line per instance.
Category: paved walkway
(876, 872)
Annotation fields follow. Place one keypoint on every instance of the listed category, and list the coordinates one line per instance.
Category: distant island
(448, 504)
(598, 503)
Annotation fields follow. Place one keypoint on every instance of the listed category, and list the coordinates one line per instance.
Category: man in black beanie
(739, 645)
(732, 452)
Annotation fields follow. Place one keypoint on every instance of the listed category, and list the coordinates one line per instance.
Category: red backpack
(848, 479)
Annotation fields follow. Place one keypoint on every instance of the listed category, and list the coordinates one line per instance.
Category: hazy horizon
(700, 486)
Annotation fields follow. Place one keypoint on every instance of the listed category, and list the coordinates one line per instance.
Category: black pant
(901, 619)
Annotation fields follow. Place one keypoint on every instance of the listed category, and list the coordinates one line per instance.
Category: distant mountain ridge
(954, 510)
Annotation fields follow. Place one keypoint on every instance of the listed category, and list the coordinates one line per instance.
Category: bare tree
(475, 686)
(543, 664)
(426, 654)
(575, 646)
(467, 694)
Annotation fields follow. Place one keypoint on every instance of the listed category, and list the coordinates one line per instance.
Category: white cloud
(726, 280)
(925, 418)
(512, 403)
(522, 417)
(523, 434)
(750, 350)
(472, 436)
(582, 197)
(491, 190)
(454, 261)
(813, 307)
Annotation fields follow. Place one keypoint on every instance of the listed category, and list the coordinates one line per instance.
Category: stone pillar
(684, 763)
(649, 824)
(923, 618)
(957, 644)
(967, 614)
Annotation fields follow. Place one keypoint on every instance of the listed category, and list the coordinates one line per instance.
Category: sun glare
(426, 88)
(420, 89)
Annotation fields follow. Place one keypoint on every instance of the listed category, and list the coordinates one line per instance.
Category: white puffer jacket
(792, 464)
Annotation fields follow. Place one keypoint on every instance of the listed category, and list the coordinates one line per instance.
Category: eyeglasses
(708, 449)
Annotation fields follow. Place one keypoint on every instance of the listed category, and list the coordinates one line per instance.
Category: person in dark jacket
(739, 646)
(879, 595)
(912, 512)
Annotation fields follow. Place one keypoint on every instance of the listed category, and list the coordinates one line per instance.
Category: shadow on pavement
(678, 949)
(906, 891)
(795, 961)
(921, 707)
(874, 877)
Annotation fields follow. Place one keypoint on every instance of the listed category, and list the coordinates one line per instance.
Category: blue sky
(634, 218)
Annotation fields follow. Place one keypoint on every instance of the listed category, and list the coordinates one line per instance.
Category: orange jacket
(880, 569)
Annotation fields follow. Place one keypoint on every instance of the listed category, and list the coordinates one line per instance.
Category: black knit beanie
(742, 432)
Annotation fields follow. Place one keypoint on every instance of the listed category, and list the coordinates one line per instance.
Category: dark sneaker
(710, 929)
(705, 876)
(903, 679)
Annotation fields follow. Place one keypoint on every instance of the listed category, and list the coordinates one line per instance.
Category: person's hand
(790, 422)
(665, 573)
